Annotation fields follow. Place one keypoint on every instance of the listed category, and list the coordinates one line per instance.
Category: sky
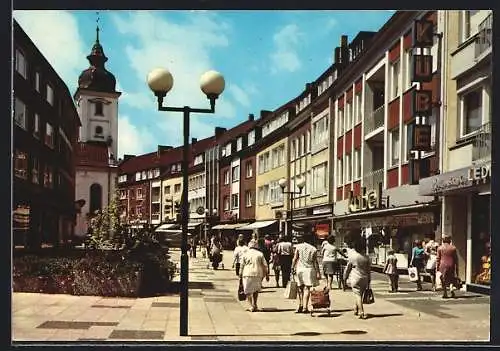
(266, 58)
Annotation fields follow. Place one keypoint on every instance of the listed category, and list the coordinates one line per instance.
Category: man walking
(284, 250)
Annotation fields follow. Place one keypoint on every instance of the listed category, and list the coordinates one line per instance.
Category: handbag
(241, 293)
(368, 297)
(439, 283)
(413, 274)
(291, 289)
(320, 298)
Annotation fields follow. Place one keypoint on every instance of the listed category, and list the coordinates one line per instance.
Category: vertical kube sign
(423, 34)
(422, 68)
(422, 103)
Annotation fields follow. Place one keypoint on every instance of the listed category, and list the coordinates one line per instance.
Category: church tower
(96, 99)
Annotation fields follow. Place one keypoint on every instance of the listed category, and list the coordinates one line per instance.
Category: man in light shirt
(238, 253)
(285, 254)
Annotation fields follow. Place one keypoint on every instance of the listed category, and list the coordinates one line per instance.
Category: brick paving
(215, 314)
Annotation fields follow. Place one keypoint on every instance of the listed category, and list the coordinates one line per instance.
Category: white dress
(306, 272)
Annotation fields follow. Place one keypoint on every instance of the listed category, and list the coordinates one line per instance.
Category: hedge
(100, 273)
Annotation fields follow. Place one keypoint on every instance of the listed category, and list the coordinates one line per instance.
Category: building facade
(96, 165)
(464, 184)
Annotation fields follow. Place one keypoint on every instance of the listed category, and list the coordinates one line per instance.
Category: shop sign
(322, 230)
(300, 213)
(423, 33)
(365, 201)
(448, 181)
(322, 210)
(421, 137)
(479, 174)
(422, 68)
(422, 103)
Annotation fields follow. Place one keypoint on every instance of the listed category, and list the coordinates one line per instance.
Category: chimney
(194, 140)
(265, 113)
(336, 57)
(162, 149)
(343, 41)
(251, 117)
(127, 157)
(308, 86)
(344, 50)
(219, 131)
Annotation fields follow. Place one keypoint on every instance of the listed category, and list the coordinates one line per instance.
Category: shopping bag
(413, 274)
(291, 290)
(368, 297)
(320, 298)
(431, 263)
(439, 283)
(241, 292)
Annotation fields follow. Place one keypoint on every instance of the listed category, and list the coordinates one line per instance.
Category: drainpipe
(442, 69)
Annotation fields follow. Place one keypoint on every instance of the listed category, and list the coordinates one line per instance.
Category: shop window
(481, 240)
(95, 203)
(21, 165)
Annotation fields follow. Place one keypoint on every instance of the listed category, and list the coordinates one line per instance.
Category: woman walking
(431, 254)
(391, 269)
(276, 262)
(305, 265)
(359, 273)
(330, 260)
(238, 253)
(418, 261)
(447, 264)
(252, 271)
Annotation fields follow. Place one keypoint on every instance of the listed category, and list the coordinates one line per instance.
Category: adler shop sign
(367, 200)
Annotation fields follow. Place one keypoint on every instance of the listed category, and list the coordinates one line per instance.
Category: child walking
(391, 269)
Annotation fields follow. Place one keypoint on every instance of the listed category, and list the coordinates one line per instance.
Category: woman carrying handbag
(358, 271)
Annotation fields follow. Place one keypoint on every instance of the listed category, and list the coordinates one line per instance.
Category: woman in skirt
(252, 271)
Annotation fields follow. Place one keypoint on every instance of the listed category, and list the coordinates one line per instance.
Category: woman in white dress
(253, 269)
(305, 266)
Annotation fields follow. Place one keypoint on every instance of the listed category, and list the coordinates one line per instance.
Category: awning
(229, 226)
(165, 226)
(193, 225)
(256, 225)
(174, 232)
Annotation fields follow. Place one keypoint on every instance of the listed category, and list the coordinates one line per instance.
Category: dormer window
(99, 109)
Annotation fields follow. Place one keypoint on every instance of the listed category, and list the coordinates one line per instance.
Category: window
(177, 188)
(308, 141)
(340, 172)
(99, 109)
(303, 144)
(156, 172)
(226, 177)
(235, 200)
(228, 149)
(264, 162)
(143, 175)
(139, 193)
(395, 72)
(405, 144)
(123, 194)
(348, 116)
(294, 149)
(35, 171)
(48, 178)
(21, 164)
(150, 173)
(348, 168)
(50, 95)
(464, 25)
(248, 169)
(358, 108)
(239, 144)
(122, 178)
(98, 132)
(166, 190)
(236, 173)
(49, 135)
(320, 134)
(275, 192)
(264, 194)
(20, 113)
(340, 122)
(319, 179)
(138, 211)
(471, 112)
(37, 81)
(21, 66)
(226, 203)
(357, 164)
(407, 83)
(198, 159)
(137, 176)
(36, 125)
(251, 137)
(395, 147)
(299, 147)
(248, 198)
(275, 158)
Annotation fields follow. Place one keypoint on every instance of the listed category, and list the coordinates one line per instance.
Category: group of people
(252, 263)
(439, 261)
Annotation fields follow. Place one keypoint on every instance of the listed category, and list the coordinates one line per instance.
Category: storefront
(466, 217)
(316, 220)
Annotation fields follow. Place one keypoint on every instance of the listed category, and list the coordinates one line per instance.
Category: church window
(95, 198)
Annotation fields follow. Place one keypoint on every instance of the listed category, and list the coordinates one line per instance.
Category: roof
(240, 129)
(90, 154)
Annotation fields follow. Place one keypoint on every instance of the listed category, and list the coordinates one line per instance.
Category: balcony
(481, 144)
(374, 121)
(373, 178)
(483, 41)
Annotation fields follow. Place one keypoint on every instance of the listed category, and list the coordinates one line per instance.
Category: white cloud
(185, 50)
(56, 35)
(285, 56)
(239, 95)
(133, 140)
(139, 100)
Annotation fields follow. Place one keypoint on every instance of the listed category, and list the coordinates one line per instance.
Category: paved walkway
(215, 314)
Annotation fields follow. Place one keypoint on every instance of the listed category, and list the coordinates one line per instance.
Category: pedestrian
(276, 262)
(330, 260)
(447, 264)
(216, 253)
(195, 245)
(239, 251)
(305, 266)
(252, 271)
(430, 249)
(253, 240)
(190, 247)
(391, 269)
(358, 271)
(266, 247)
(418, 261)
(284, 250)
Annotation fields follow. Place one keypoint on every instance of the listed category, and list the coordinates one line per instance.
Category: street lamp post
(300, 185)
(212, 83)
